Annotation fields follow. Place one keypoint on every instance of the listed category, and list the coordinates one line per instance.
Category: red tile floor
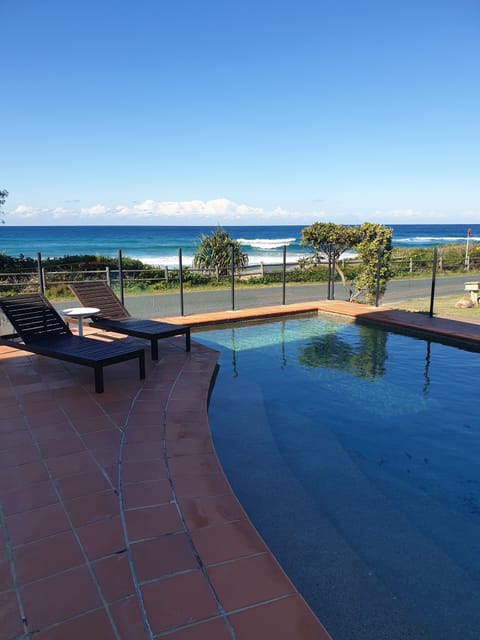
(116, 519)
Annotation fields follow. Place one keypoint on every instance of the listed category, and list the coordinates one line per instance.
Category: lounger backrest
(33, 317)
(98, 294)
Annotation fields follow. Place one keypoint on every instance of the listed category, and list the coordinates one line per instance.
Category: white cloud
(200, 208)
(93, 211)
(215, 211)
(413, 216)
(26, 212)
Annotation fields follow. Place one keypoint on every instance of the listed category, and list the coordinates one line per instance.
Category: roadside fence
(187, 285)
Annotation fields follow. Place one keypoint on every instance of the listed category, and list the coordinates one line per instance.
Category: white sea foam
(266, 243)
(437, 239)
(254, 259)
(172, 261)
(166, 261)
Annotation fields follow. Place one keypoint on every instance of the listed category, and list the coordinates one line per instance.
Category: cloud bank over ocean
(209, 212)
(216, 211)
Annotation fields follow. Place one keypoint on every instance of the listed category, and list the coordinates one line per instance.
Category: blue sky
(240, 112)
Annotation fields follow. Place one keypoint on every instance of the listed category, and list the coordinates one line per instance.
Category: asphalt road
(169, 304)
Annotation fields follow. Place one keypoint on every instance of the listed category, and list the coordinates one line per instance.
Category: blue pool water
(356, 453)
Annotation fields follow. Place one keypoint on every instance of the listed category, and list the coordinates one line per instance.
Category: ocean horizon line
(160, 244)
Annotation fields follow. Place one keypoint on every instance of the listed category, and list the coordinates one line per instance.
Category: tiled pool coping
(117, 521)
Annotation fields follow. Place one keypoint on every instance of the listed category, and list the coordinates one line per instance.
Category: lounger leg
(98, 379)
(154, 347)
(187, 339)
(142, 364)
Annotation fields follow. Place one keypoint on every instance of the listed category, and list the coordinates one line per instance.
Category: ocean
(159, 245)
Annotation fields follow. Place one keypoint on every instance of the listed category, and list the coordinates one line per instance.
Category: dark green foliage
(215, 253)
(16, 265)
(327, 237)
(374, 250)
(373, 242)
(91, 263)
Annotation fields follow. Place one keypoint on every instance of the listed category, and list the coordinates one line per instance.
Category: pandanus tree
(215, 253)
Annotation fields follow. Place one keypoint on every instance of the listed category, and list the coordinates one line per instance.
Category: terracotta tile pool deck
(116, 519)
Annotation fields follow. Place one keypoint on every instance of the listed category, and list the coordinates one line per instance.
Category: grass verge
(444, 307)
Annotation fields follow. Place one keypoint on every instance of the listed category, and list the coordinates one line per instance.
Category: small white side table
(80, 313)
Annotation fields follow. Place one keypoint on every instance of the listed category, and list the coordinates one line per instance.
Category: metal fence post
(284, 279)
(333, 272)
(381, 249)
(434, 273)
(180, 279)
(233, 277)
(120, 275)
(107, 276)
(329, 276)
(41, 283)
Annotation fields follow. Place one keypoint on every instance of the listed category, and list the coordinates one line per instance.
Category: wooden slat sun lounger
(114, 316)
(42, 331)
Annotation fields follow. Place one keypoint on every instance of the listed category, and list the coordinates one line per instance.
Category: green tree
(3, 197)
(330, 240)
(215, 252)
(366, 239)
(374, 250)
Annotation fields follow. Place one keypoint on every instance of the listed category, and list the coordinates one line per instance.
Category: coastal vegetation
(373, 244)
(217, 251)
(359, 272)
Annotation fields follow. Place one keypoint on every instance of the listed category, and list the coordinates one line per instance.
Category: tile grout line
(165, 634)
(13, 570)
(121, 503)
(73, 529)
(196, 554)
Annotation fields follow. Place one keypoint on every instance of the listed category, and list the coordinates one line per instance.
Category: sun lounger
(41, 330)
(114, 316)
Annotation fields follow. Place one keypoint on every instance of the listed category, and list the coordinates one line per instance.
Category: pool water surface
(356, 453)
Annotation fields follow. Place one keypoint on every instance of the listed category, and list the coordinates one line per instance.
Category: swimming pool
(356, 453)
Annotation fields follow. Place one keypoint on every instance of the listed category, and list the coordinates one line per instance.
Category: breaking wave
(267, 244)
